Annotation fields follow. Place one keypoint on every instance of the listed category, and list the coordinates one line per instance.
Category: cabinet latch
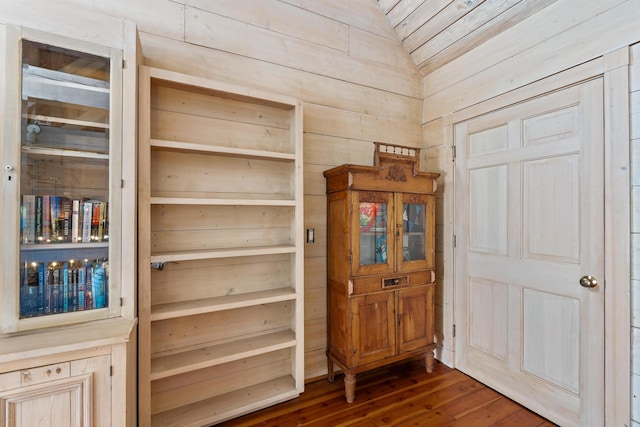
(395, 281)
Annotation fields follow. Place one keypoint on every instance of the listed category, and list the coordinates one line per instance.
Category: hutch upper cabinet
(221, 249)
(67, 260)
(381, 262)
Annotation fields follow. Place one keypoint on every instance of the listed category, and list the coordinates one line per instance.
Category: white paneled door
(529, 257)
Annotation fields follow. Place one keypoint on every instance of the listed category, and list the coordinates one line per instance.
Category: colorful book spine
(28, 218)
(65, 216)
(73, 286)
(38, 220)
(41, 288)
(46, 219)
(98, 285)
(81, 287)
(55, 292)
(65, 287)
(76, 236)
(29, 291)
(48, 293)
(101, 220)
(105, 233)
(95, 222)
(55, 224)
(87, 212)
(88, 286)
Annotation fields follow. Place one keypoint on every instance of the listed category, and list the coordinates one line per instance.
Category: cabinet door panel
(58, 403)
(415, 225)
(373, 327)
(372, 243)
(76, 393)
(415, 318)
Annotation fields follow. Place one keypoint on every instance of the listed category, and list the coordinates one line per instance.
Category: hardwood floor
(399, 395)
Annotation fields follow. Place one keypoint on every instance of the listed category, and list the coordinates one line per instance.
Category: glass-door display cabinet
(380, 263)
(68, 192)
(62, 186)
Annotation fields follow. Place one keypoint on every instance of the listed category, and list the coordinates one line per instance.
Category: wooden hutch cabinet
(381, 263)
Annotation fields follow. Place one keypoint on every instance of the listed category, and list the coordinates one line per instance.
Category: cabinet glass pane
(64, 181)
(413, 231)
(373, 233)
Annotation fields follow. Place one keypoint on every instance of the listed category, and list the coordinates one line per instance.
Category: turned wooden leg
(350, 387)
(330, 368)
(428, 361)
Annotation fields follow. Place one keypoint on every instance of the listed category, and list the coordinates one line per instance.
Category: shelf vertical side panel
(129, 223)
(9, 254)
(297, 134)
(144, 247)
(115, 177)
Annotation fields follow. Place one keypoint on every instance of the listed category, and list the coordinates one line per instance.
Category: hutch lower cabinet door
(380, 263)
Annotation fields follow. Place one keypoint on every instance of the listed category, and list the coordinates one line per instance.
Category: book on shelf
(38, 220)
(52, 297)
(105, 222)
(65, 206)
(60, 208)
(41, 289)
(63, 286)
(62, 219)
(46, 219)
(29, 290)
(75, 221)
(87, 212)
(99, 216)
(88, 286)
(53, 213)
(28, 218)
(98, 285)
(81, 288)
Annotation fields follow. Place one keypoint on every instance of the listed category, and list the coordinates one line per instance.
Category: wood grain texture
(398, 395)
(438, 31)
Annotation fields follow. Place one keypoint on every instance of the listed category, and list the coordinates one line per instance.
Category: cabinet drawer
(43, 374)
(9, 381)
(363, 285)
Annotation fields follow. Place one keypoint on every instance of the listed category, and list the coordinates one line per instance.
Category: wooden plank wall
(341, 58)
(634, 88)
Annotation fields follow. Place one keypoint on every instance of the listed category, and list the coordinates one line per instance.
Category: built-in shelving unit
(221, 262)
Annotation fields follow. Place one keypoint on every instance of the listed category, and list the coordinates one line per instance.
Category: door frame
(614, 69)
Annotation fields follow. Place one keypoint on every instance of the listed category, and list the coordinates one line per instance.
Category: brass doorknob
(588, 282)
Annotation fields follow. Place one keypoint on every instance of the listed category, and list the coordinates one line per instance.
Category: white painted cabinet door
(529, 224)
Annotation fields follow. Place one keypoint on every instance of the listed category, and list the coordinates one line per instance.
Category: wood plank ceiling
(435, 32)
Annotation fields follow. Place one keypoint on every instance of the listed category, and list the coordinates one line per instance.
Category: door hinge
(454, 331)
(121, 302)
(453, 153)
(111, 370)
(454, 241)
(124, 64)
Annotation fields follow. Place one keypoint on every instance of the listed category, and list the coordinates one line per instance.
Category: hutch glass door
(64, 181)
(375, 243)
(414, 213)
